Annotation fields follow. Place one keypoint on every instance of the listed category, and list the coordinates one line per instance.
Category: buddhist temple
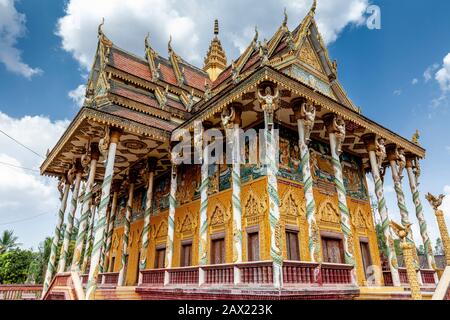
(296, 223)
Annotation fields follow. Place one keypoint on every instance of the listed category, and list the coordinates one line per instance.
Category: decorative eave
(225, 98)
(240, 63)
(174, 60)
(150, 56)
(275, 40)
(161, 96)
(87, 113)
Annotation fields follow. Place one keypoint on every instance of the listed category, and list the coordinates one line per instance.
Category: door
(333, 250)
(366, 258)
(253, 246)
(186, 255)
(218, 251)
(160, 257)
(292, 248)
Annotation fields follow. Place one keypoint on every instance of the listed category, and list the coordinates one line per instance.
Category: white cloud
(12, 27)
(397, 92)
(77, 95)
(443, 75)
(428, 73)
(415, 81)
(190, 23)
(24, 194)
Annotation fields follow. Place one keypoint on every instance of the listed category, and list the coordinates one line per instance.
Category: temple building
(297, 223)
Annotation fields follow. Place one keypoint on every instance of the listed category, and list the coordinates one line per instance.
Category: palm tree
(8, 241)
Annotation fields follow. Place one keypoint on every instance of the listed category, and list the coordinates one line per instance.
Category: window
(111, 266)
(186, 255)
(333, 250)
(366, 258)
(292, 246)
(253, 246)
(218, 251)
(160, 257)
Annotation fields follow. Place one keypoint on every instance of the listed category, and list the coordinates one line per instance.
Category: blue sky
(381, 70)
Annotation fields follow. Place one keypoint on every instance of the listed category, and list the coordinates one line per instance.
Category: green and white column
(419, 213)
(336, 132)
(151, 166)
(109, 234)
(305, 114)
(70, 218)
(392, 154)
(171, 216)
(100, 226)
(268, 105)
(89, 239)
(203, 236)
(369, 140)
(126, 232)
(85, 209)
(59, 222)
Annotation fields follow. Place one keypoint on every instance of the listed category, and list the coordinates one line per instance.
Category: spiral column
(54, 247)
(85, 209)
(151, 166)
(369, 140)
(100, 226)
(126, 231)
(109, 234)
(70, 218)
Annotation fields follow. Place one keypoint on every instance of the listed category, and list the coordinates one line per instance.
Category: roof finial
(216, 27)
(100, 31)
(255, 38)
(147, 45)
(285, 17)
(169, 45)
(314, 6)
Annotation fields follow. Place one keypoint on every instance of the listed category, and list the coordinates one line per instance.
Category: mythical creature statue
(380, 152)
(338, 128)
(401, 231)
(268, 103)
(435, 202)
(61, 183)
(208, 93)
(190, 101)
(71, 174)
(308, 113)
(103, 144)
(86, 157)
(227, 116)
(401, 162)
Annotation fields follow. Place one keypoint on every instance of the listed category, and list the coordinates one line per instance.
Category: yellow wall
(254, 202)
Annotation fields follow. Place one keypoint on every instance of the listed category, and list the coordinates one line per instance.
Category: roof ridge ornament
(150, 55)
(101, 35)
(285, 20)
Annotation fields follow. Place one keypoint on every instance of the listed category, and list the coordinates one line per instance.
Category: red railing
(185, 275)
(388, 278)
(20, 292)
(296, 272)
(63, 280)
(403, 274)
(152, 277)
(84, 278)
(109, 278)
(256, 272)
(219, 274)
(428, 276)
(336, 273)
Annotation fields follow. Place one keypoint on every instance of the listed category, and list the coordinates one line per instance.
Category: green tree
(421, 250)
(38, 267)
(381, 239)
(14, 266)
(8, 241)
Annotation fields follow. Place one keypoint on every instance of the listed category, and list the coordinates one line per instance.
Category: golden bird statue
(435, 202)
(401, 231)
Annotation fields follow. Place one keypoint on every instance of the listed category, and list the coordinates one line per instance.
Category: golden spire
(314, 6)
(215, 60)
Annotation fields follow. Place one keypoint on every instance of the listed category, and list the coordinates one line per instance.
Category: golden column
(408, 255)
(435, 202)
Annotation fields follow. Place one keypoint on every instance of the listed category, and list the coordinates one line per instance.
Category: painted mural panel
(189, 179)
(289, 157)
(161, 193)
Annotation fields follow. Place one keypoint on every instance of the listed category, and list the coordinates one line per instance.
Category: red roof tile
(127, 64)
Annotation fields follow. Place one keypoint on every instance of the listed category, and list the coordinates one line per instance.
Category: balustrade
(219, 274)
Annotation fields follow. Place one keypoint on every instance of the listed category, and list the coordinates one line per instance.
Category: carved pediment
(161, 230)
(291, 208)
(329, 213)
(254, 207)
(186, 224)
(359, 219)
(308, 56)
(219, 216)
